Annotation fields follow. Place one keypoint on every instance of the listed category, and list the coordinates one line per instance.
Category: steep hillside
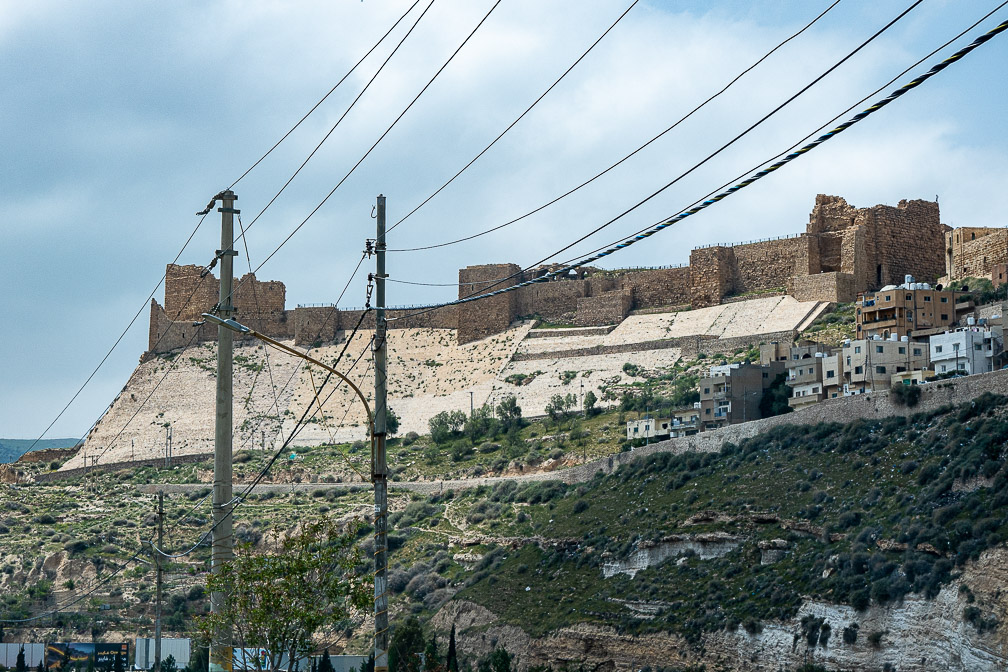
(867, 545)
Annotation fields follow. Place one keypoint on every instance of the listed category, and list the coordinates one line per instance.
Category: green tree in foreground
(306, 587)
(451, 661)
(406, 646)
(19, 664)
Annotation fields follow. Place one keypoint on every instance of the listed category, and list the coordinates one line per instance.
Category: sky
(120, 119)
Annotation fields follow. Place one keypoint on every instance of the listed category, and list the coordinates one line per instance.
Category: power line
(741, 185)
(613, 166)
(323, 99)
(382, 137)
(520, 117)
(342, 117)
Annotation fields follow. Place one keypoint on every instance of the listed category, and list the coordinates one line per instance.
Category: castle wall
(555, 300)
(609, 308)
(187, 296)
(318, 324)
(713, 270)
(975, 257)
(829, 287)
(909, 239)
(658, 287)
(492, 315)
(768, 264)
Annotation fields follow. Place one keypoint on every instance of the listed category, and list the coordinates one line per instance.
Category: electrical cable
(618, 163)
(342, 117)
(741, 185)
(326, 96)
(520, 117)
(729, 143)
(382, 137)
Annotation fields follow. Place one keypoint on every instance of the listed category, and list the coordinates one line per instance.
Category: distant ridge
(12, 449)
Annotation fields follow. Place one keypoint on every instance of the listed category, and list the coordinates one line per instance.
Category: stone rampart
(968, 257)
(768, 264)
(830, 287)
(659, 287)
(494, 314)
(608, 308)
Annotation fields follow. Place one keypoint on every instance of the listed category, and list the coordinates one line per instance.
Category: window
(888, 297)
(706, 390)
(636, 429)
(878, 349)
(927, 299)
(902, 350)
(917, 351)
(944, 317)
(706, 411)
(858, 369)
(900, 369)
(848, 361)
(857, 349)
(938, 348)
(944, 299)
(976, 346)
(879, 369)
(831, 374)
(766, 375)
(909, 297)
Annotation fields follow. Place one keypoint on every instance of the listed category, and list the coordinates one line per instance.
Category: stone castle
(844, 251)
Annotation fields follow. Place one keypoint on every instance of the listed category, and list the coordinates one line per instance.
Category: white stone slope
(428, 372)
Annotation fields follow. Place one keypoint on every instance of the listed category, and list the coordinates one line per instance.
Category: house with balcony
(869, 364)
(908, 310)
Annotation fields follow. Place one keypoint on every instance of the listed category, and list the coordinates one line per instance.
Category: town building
(977, 348)
(814, 373)
(868, 364)
(907, 310)
(918, 377)
(731, 393)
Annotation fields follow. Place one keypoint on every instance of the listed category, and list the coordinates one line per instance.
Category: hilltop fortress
(843, 251)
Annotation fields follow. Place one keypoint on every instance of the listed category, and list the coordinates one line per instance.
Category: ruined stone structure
(974, 251)
(844, 251)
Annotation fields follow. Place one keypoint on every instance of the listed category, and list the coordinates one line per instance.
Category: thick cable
(741, 185)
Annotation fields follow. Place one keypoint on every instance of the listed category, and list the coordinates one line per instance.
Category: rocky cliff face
(917, 635)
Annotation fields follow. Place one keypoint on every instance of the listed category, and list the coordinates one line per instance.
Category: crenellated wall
(843, 251)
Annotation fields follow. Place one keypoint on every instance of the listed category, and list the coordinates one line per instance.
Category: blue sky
(121, 119)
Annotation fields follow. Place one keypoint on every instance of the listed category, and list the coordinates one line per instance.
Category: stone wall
(711, 271)
(555, 300)
(768, 264)
(492, 315)
(608, 308)
(968, 257)
(830, 287)
(658, 287)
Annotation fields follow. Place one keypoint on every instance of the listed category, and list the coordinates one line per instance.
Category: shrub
(905, 395)
(850, 633)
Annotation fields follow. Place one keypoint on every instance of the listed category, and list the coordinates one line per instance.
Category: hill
(873, 544)
(12, 449)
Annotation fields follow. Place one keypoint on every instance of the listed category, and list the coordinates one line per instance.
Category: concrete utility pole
(223, 549)
(160, 584)
(379, 468)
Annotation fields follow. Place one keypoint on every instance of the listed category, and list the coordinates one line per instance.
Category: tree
(19, 664)
(167, 665)
(509, 412)
(90, 663)
(326, 664)
(775, 399)
(446, 424)
(451, 662)
(589, 403)
(406, 646)
(200, 660)
(432, 662)
(391, 422)
(499, 660)
(307, 586)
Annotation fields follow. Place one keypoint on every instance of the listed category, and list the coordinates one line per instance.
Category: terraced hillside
(428, 373)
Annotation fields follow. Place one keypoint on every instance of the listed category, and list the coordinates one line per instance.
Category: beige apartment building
(869, 364)
(908, 310)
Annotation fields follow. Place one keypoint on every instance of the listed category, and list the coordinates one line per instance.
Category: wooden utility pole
(159, 584)
(379, 468)
(223, 549)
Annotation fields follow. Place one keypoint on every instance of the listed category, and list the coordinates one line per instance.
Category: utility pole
(223, 550)
(159, 584)
(379, 468)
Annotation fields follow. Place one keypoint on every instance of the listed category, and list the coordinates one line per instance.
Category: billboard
(65, 656)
